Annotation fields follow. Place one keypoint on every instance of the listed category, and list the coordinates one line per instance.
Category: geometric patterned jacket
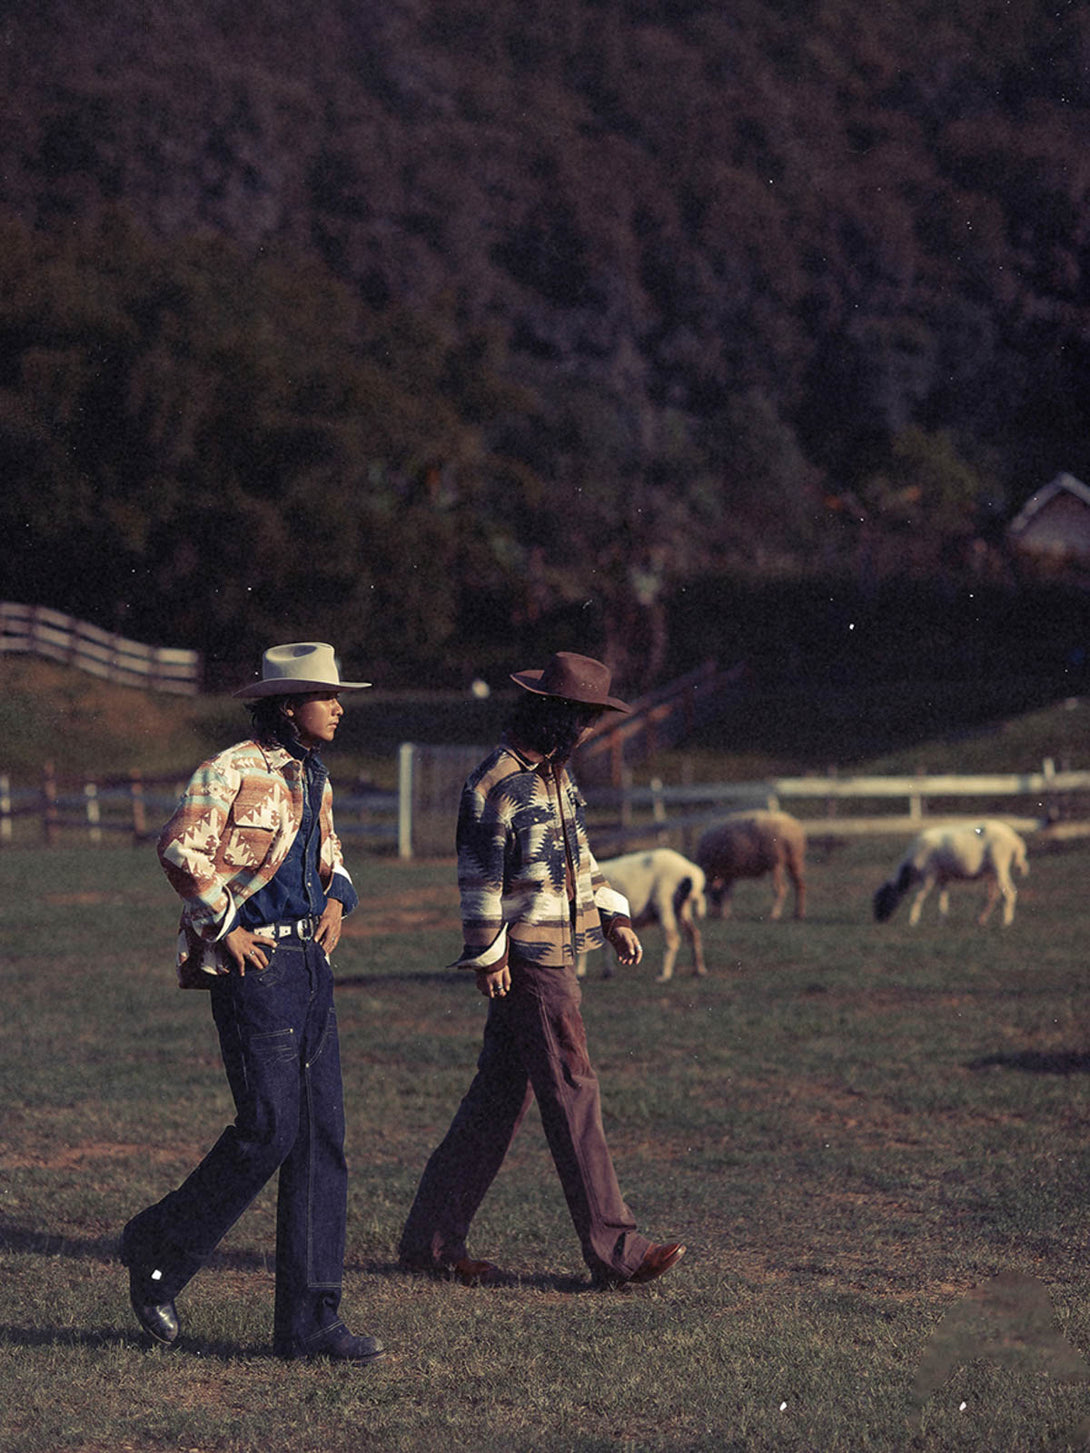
(228, 836)
(528, 881)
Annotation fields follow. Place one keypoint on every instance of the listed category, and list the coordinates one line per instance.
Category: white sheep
(661, 887)
(748, 845)
(942, 855)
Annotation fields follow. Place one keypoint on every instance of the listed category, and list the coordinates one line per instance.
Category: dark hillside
(533, 304)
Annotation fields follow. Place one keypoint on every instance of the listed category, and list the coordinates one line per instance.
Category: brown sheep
(748, 845)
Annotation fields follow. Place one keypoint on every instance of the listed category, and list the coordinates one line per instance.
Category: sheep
(748, 845)
(941, 855)
(661, 887)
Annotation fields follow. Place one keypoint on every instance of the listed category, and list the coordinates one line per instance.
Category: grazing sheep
(748, 845)
(942, 855)
(661, 887)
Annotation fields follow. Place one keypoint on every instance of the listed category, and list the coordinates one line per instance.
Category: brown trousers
(534, 1046)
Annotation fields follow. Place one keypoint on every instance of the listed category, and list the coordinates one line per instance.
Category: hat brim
(531, 681)
(284, 686)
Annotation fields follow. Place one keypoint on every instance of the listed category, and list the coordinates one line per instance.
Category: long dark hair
(270, 722)
(550, 725)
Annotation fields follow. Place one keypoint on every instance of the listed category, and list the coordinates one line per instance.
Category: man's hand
(626, 945)
(496, 984)
(328, 932)
(246, 950)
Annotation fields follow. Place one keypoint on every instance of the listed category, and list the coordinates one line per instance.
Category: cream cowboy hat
(296, 669)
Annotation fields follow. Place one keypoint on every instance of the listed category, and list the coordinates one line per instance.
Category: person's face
(316, 717)
(590, 721)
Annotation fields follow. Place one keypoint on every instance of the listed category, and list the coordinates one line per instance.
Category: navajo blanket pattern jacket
(228, 836)
(528, 880)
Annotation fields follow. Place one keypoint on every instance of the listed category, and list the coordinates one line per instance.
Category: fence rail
(661, 719)
(1026, 800)
(135, 806)
(418, 818)
(36, 630)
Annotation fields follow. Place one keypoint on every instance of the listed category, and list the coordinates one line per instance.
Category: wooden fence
(38, 631)
(1028, 801)
(134, 806)
(657, 721)
(418, 819)
(627, 817)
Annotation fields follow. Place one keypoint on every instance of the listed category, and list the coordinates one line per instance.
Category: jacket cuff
(343, 890)
(484, 960)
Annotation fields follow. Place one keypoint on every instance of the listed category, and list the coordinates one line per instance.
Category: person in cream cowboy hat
(298, 669)
(252, 852)
(533, 898)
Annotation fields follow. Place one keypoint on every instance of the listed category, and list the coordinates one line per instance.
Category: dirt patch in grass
(71, 1156)
(419, 910)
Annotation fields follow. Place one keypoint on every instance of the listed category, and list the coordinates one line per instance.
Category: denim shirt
(296, 890)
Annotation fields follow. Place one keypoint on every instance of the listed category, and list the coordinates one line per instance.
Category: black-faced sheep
(942, 855)
(748, 845)
(661, 887)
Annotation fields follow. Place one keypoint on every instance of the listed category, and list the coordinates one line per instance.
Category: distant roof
(1063, 484)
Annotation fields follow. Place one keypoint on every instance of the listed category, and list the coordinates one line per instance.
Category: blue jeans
(278, 1037)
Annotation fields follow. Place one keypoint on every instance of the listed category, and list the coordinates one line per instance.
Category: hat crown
(300, 661)
(578, 678)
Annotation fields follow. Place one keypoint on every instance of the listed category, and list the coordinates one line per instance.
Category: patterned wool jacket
(528, 880)
(229, 834)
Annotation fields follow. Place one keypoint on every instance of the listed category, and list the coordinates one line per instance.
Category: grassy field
(852, 1127)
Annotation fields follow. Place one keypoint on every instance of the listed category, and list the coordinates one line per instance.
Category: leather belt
(302, 928)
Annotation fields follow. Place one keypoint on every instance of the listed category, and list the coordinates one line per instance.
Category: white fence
(622, 817)
(133, 807)
(419, 818)
(1028, 801)
(38, 631)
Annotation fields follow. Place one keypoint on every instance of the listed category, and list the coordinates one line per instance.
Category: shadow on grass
(537, 1281)
(1035, 1062)
(34, 1241)
(99, 1338)
(31, 1241)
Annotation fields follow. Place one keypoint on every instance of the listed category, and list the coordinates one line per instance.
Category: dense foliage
(417, 325)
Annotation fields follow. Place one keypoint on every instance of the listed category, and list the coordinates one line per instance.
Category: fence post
(616, 758)
(915, 801)
(688, 834)
(49, 804)
(405, 800)
(658, 806)
(139, 813)
(5, 808)
(94, 812)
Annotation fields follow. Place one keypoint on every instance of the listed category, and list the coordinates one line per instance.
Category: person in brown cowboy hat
(533, 898)
(252, 853)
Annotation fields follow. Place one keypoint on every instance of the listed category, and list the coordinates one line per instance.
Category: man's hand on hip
(328, 932)
(246, 951)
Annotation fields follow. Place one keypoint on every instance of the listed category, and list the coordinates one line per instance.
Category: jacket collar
(529, 760)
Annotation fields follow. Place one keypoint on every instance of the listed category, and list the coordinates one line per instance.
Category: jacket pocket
(247, 847)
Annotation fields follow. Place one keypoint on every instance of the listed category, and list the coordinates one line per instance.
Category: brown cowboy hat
(572, 678)
(296, 669)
